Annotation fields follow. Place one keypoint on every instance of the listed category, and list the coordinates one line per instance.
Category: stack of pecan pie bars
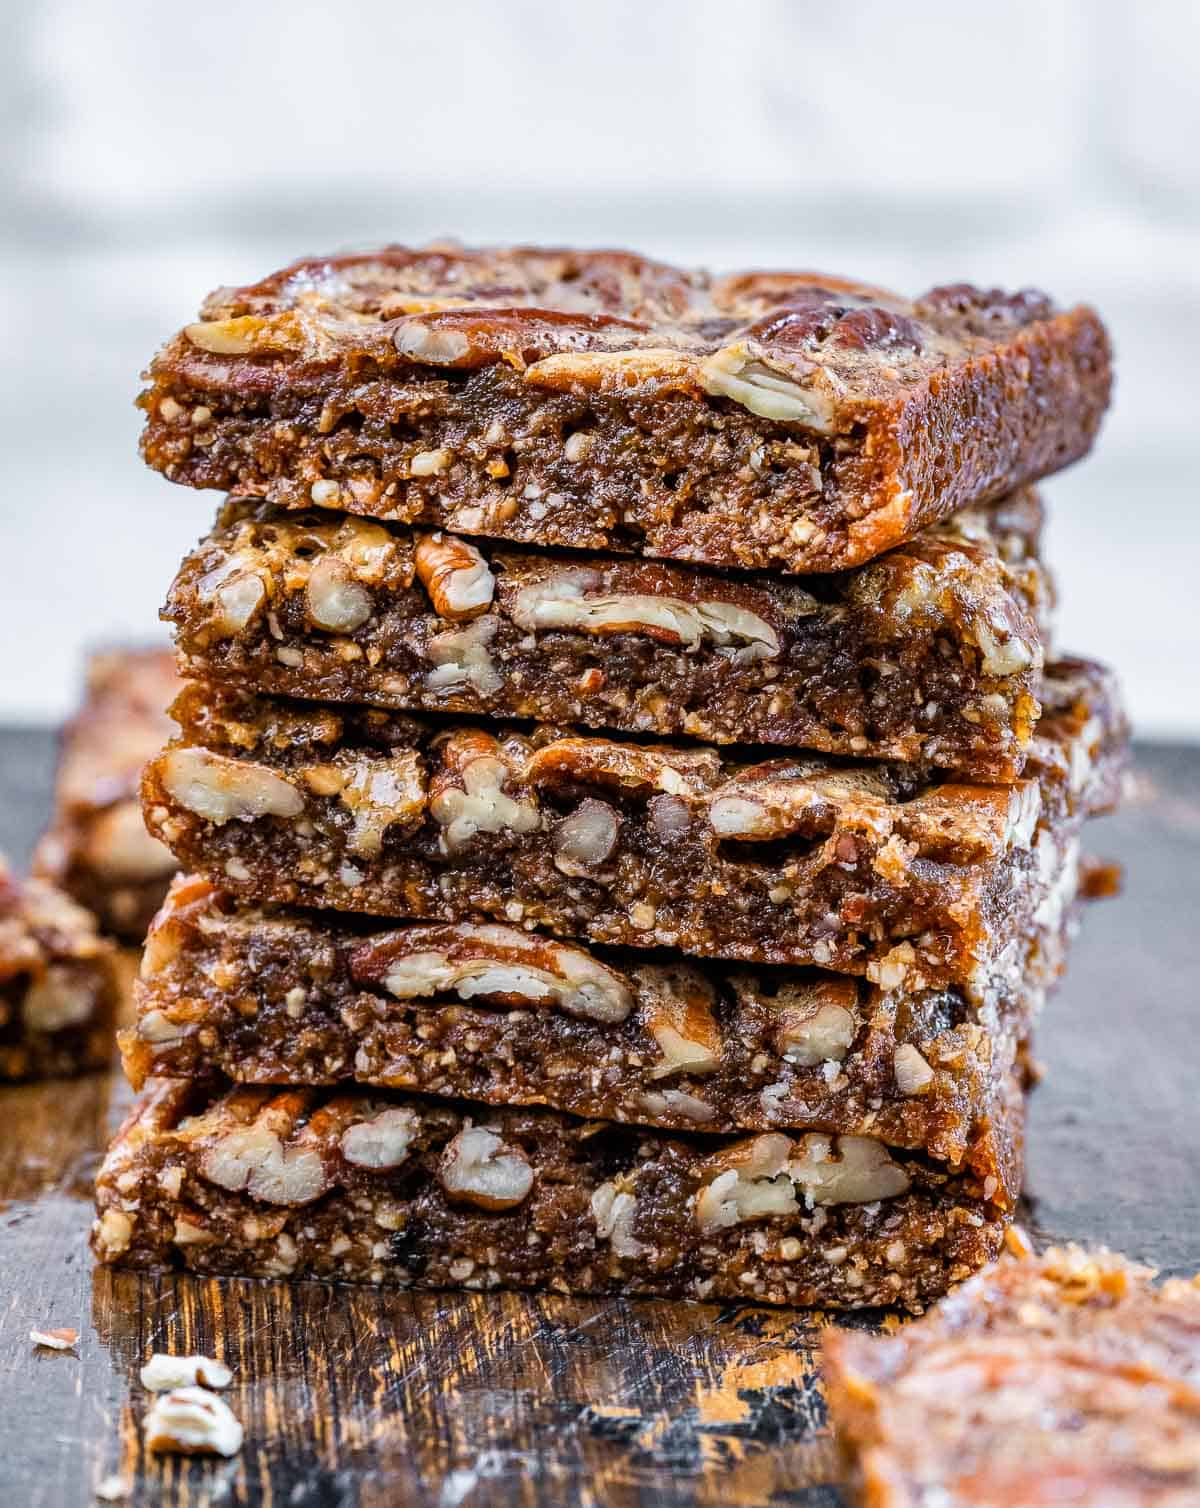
(629, 810)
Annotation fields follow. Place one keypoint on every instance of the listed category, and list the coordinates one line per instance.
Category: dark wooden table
(353, 1397)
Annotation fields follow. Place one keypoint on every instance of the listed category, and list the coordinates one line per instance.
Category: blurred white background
(150, 152)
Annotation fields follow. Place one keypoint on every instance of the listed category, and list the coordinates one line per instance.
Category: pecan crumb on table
(783, 421)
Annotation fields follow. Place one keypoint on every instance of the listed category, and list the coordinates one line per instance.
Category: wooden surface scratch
(359, 1399)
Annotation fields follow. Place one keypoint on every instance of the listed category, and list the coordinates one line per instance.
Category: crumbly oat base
(932, 653)
(1065, 1378)
(387, 1188)
(97, 847)
(484, 1012)
(58, 983)
(875, 869)
(769, 421)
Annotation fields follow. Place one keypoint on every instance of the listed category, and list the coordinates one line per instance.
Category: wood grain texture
(359, 1399)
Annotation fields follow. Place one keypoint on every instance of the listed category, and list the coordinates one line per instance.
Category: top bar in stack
(776, 421)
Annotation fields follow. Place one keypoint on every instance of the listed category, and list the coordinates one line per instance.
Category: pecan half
(680, 1018)
(494, 964)
(467, 795)
(456, 576)
(221, 789)
(478, 1168)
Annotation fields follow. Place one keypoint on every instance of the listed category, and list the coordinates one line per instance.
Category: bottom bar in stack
(382, 1187)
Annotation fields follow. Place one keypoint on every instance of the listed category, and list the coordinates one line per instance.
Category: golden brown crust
(1061, 1378)
(932, 653)
(393, 1189)
(786, 422)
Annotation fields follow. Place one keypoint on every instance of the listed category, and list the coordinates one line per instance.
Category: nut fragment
(817, 1022)
(382, 793)
(468, 795)
(381, 1142)
(456, 576)
(162, 1373)
(62, 997)
(487, 962)
(461, 659)
(334, 599)
(253, 1159)
(749, 1182)
(478, 1168)
(586, 837)
(735, 372)
(614, 1209)
(192, 1421)
(913, 1073)
(236, 593)
(54, 1340)
(559, 602)
(221, 790)
(680, 1018)
(845, 1170)
(246, 334)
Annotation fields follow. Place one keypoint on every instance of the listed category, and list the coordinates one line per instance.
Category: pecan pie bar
(387, 1188)
(482, 1011)
(931, 653)
(97, 848)
(874, 869)
(58, 983)
(779, 421)
(1065, 1378)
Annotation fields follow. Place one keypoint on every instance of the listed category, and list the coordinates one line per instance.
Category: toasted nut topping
(734, 372)
(247, 333)
(253, 1159)
(612, 370)
(478, 1168)
(559, 602)
(381, 1142)
(750, 1183)
(223, 790)
(913, 1073)
(614, 1209)
(162, 1373)
(192, 1421)
(817, 1023)
(335, 601)
(427, 343)
(485, 961)
(468, 794)
(586, 837)
(461, 659)
(54, 1340)
(456, 576)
